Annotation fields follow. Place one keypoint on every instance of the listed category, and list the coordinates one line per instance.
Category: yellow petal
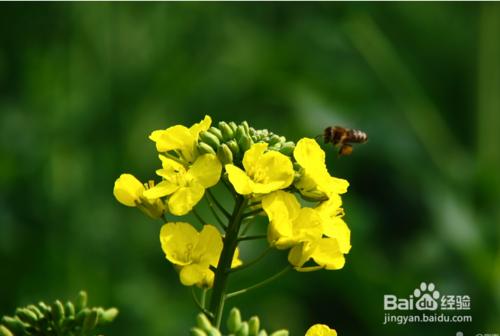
(272, 171)
(309, 154)
(300, 254)
(163, 188)
(185, 198)
(320, 330)
(128, 190)
(203, 125)
(252, 156)
(171, 166)
(209, 245)
(328, 255)
(173, 138)
(239, 179)
(206, 170)
(196, 274)
(177, 242)
(236, 259)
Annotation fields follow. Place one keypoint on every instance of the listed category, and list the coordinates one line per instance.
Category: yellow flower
(289, 224)
(315, 181)
(325, 252)
(129, 191)
(320, 330)
(264, 172)
(193, 252)
(185, 186)
(333, 225)
(180, 138)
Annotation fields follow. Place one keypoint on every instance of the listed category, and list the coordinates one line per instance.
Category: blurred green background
(83, 84)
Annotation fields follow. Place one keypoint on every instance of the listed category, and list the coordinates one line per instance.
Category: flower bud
(26, 315)
(15, 324)
(274, 139)
(233, 126)
(262, 333)
(69, 309)
(217, 132)
(224, 154)
(81, 301)
(214, 332)
(253, 326)
(210, 139)
(282, 332)
(82, 314)
(35, 310)
(226, 130)
(234, 320)
(233, 146)
(44, 308)
(204, 148)
(108, 315)
(240, 133)
(243, 331)
(287, 148)
(58, 311)
(90, 321)
(247, 128)
(203, 322)
(197, 332)
(245, 143)
(4, 331)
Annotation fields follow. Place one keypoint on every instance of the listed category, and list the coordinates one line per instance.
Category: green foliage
(235, 326)
(57, 319)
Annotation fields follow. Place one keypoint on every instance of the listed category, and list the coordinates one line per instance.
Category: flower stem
(219, 206)
(222, 272)
(260, 284)
(253, 262)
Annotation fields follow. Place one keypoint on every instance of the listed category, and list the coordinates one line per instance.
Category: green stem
(260, 284)
(252, 237)
(226, 258)
(217, 218)
(201, 305)
(253, 213)
(219, 206)
(198, 217)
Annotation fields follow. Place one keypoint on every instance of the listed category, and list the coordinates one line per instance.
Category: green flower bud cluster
(235, 326)
(71, 319)
(230, 141)
(275, 141)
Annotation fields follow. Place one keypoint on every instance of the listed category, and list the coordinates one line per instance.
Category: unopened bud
(224, 154)
(197, 332)
(35, 310)
(245, 143)
(203, 148)
(262, 333)
(26, 315)
(81, 301)
(243, 331)
(15, 325)
(274, 139)
(233, 146)
(233, 126)
(91, 320)
(108, 315)
(287, 148)
(214, 332)
(226, 130)
(4, 331)
(217, 132)
(210, 139)
(281, 332)
(58, 311)
(69, 309)
(81, 315)
(247, 128)
(234, 320)
(44, 308)
(203, 322)
(253, 326)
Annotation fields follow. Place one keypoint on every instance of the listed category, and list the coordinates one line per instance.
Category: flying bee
(343, 138)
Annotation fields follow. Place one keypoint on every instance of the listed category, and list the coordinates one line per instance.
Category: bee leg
(345, 149)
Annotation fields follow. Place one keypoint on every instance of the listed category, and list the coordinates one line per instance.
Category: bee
(343, 138)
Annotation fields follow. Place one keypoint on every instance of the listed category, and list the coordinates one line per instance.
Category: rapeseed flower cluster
(267, 175)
